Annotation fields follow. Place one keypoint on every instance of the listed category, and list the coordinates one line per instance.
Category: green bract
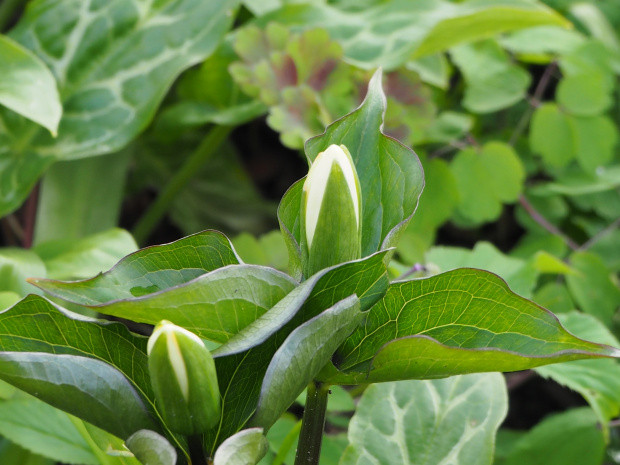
(330, 211)
(184, 379)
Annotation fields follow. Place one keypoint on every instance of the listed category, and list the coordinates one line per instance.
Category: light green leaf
(215, 306)
(27, 86)
(493, 81)
(596, 23)
(375, 155)
(43, 430)
(150, 270)
(438, 422)
(595, 140)
(16, 265)
(569, 438)
(598, 381)
(90, 389)
(584, 94)
(151, 448)
(433, 69)
(8, 299)
(463, 321)
(543, 40)
(246, 447)
(91, 205)
(267, 250)
(592, 288)
(391, 33)
(448, 127)
(518, 274)
(302, 355)
(111, 84)
(551, 135)
(487, 179)
(546, 263)
(71, 259)
(555, 297)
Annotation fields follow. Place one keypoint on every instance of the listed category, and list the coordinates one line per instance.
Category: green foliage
(512, 106)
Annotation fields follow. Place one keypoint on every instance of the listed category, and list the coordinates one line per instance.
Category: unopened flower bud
(330, 211)
(184, 380)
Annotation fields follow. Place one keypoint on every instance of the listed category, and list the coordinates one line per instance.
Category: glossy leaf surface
(151, 448)
(246, 447)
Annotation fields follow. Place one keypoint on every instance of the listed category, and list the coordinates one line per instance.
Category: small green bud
(184, 380)
(330, 211)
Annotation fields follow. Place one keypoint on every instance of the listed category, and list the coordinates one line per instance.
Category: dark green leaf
(302, 355)
(150, 270)
(463, 321)
(389, 172)
(451, 421)
(85, 387)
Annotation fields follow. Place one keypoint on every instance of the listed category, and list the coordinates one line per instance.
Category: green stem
(7, 10)
(286, 445)
(209, 145)
(313, 424)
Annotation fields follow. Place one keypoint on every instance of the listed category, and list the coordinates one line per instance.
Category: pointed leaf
(243, 361)
(114, 63)
(463, 321)
(87, 388)
(389, 172)
(302, 355)
(149, 270)
(246, 447)
(215, 306)
(151, 449)
(439, 422)
(27, 86)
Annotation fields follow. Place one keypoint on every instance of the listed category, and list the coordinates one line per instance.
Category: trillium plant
(236, 344)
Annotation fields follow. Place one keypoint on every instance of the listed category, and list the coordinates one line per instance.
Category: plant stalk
(209, 145)
(313, 424)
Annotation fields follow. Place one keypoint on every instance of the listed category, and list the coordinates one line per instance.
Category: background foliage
(172, 117)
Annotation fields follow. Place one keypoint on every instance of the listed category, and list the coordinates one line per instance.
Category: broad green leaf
(366, 278)
(110, 83)
(592, 287)
(493, 81)
(13, 454)
(44, 430)
(91, 205)
(487, 179)
(150, 270)
(79, 259)
(568, 438)
(87, 388)
(215, 306)
(302, 355)
(243, 361)
(433, 69)
(518, 274)
(27, 86)
(551, 135)
(584, 94)
(246, 447)
(595, 139)
(16, 265)
(451, 421)
(60, 332)
(462, 321)
(151, 448)
(605, 179)
(391, 33)
(596, 23)
(598, 381)
(389, 172)
(448, 127)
